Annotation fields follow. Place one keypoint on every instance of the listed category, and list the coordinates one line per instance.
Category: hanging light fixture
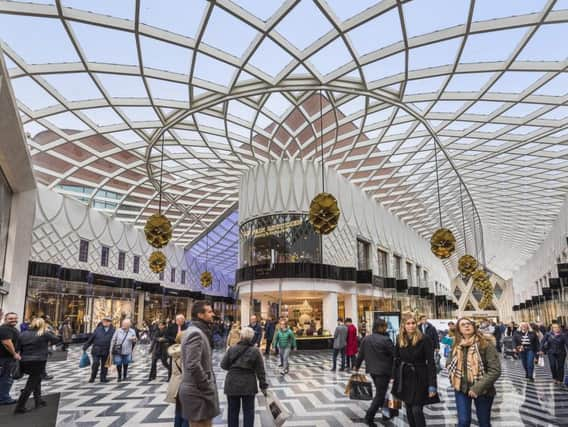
(158, 228)
(206, 277)
(324, 209)
(442, 242)
(157, 261)
(467, 264)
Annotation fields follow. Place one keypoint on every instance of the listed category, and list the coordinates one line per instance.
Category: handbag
(360, 388)
(117, 348)
(541, 362)
(16, 371)
(85, 360)
(276, 410)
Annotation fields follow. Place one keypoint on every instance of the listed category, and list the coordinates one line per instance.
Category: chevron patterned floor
(312, 393)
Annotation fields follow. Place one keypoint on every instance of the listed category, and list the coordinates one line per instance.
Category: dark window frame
(136, 264)
(105, 255)
(83, 250)
(121, 260)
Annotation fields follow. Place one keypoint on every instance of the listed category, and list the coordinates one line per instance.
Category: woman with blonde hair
(473, 369)
(414, 371)
(526, 345)
(34, 345)
(174, 351)
(234, 334)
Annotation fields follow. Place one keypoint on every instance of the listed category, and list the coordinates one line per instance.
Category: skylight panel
(492, 46)
(105, 45)
(523, 130)
(67, 121)
(354, 106)
(209, 121)
(428, 56)
(103, 116)
(31, 94)
(378, 116)
(119, 86)
(521, 110)
(515, 81)
(381, 31)
(241, 34)
(428, 85)
(426, 16)
(558, 113)
(557, 86)
(277, 104)
(270, 58)
(242, 111)
(127, 137)
(178, 16)
(212, 70)
(261, 9)
(331, 57)
(163, 89)
(140, 114)
(120, 9)
(468, 82)
(347, 9)
(37, 46)
(447, 106)
(490, 9)
(385, 67)
(74, 86)
(543, 46)
(303, 25)
(484, 107)
(165, 56)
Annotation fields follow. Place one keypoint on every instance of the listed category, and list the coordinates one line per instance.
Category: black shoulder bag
(117, 348)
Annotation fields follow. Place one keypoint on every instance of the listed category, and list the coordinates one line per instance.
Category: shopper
(100, 340)
(198, 389)
(172, 394)
(66, 333)
(414, 371)
(9, 354)
(285, 342)
(339, 344)
(269, 330)
(352, 344)
(377, 350)
(555, 344)
(34, 344)
(473, 369)
(121, 347)
(257, 330)
(235, 334)
(159, 350)
(511, 328)
(498, 334)
(430, 331)
(526, 345)
(448, 339)
(245, 365)
(175, 328)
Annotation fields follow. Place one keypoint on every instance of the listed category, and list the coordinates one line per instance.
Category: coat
(352, 343)
(100, 340)
(245, 365)
(159, 345)
(269, 329)
(492, 365)
(174, 351)
(554, 344)
(518, 338)
(198, 390)
(257, 333)
(66, 333)
(125, 338)
(34, 348)
(431, 333)
(234, 337)
(172, 331)
(340, 337)
(414, 371)
(377, 350)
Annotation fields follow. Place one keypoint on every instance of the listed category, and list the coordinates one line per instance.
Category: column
(189, 307)
(329, 311)
(264, 308)
(140, 308)
(351, 307)
(245, 310)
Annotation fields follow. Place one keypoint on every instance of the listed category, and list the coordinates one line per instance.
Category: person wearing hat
(100, 340)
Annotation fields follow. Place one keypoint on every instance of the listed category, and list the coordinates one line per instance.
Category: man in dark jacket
(100, 340)
(269, 329)
(257, 330)
(159, 350)
(430, 331)
(339, 343)
(9, 354)
(377, 351)
(175, 328)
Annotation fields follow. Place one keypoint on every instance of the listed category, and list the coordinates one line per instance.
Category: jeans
(415, 415)
(482, 409)
(99, 360)
(527, 359)
(556, 361)
(33, 384)
(6, 380)
(179, 420)
(381, 387)
(121, 359)
(234, 404)
(336, 352)
(284, 355)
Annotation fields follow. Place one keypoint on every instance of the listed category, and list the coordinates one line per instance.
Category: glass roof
(225, 85)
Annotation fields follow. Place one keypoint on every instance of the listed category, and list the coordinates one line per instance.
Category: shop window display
(286, 238)
(5, 204)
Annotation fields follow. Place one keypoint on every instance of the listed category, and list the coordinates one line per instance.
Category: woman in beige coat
(174, 351)
(234, 334)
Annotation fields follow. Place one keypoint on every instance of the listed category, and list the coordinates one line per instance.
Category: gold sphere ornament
(486, 288)
(479, 276)
(324, 213)
(467, 265)
(206, 279)
(157, 261)
(158, 231)
(443, 243)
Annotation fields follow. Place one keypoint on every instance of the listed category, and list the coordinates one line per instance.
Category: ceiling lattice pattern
(228, 84)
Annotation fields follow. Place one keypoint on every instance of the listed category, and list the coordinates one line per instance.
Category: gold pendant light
(467, 264)
(206, 277)
(324, 210)
(157, 261)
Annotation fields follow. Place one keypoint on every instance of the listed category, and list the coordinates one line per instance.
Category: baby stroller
(508, 348)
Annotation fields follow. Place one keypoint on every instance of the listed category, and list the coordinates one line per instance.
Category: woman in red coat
(352, 343)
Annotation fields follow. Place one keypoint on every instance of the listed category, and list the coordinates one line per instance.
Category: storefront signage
(271, 230)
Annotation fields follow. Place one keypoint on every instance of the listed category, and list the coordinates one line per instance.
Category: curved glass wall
(276, 239)
(5, 203)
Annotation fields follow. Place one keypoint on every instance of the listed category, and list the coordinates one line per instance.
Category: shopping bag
(360, 388)
(108, 362)
(84, 361)
(541, 362)
(276, 410)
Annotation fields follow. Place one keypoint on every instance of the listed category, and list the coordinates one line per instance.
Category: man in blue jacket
(269, 329)
(257, 330)
(100, 339)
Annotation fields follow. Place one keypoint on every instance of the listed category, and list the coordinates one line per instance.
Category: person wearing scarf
(473, 369)
(555, 345)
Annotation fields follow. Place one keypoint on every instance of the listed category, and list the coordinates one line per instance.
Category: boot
(39, 402)
(124, 372)
(119, 371)
(21, 404)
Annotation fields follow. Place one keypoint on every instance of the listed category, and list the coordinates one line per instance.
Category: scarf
(205, 328)
(474, 363)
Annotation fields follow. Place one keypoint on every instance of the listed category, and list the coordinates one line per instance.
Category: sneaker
(21, 410)
(282, 373)
(280, 365)
(8, 402)
(332, 369)
(91, 380)
(286, 370)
